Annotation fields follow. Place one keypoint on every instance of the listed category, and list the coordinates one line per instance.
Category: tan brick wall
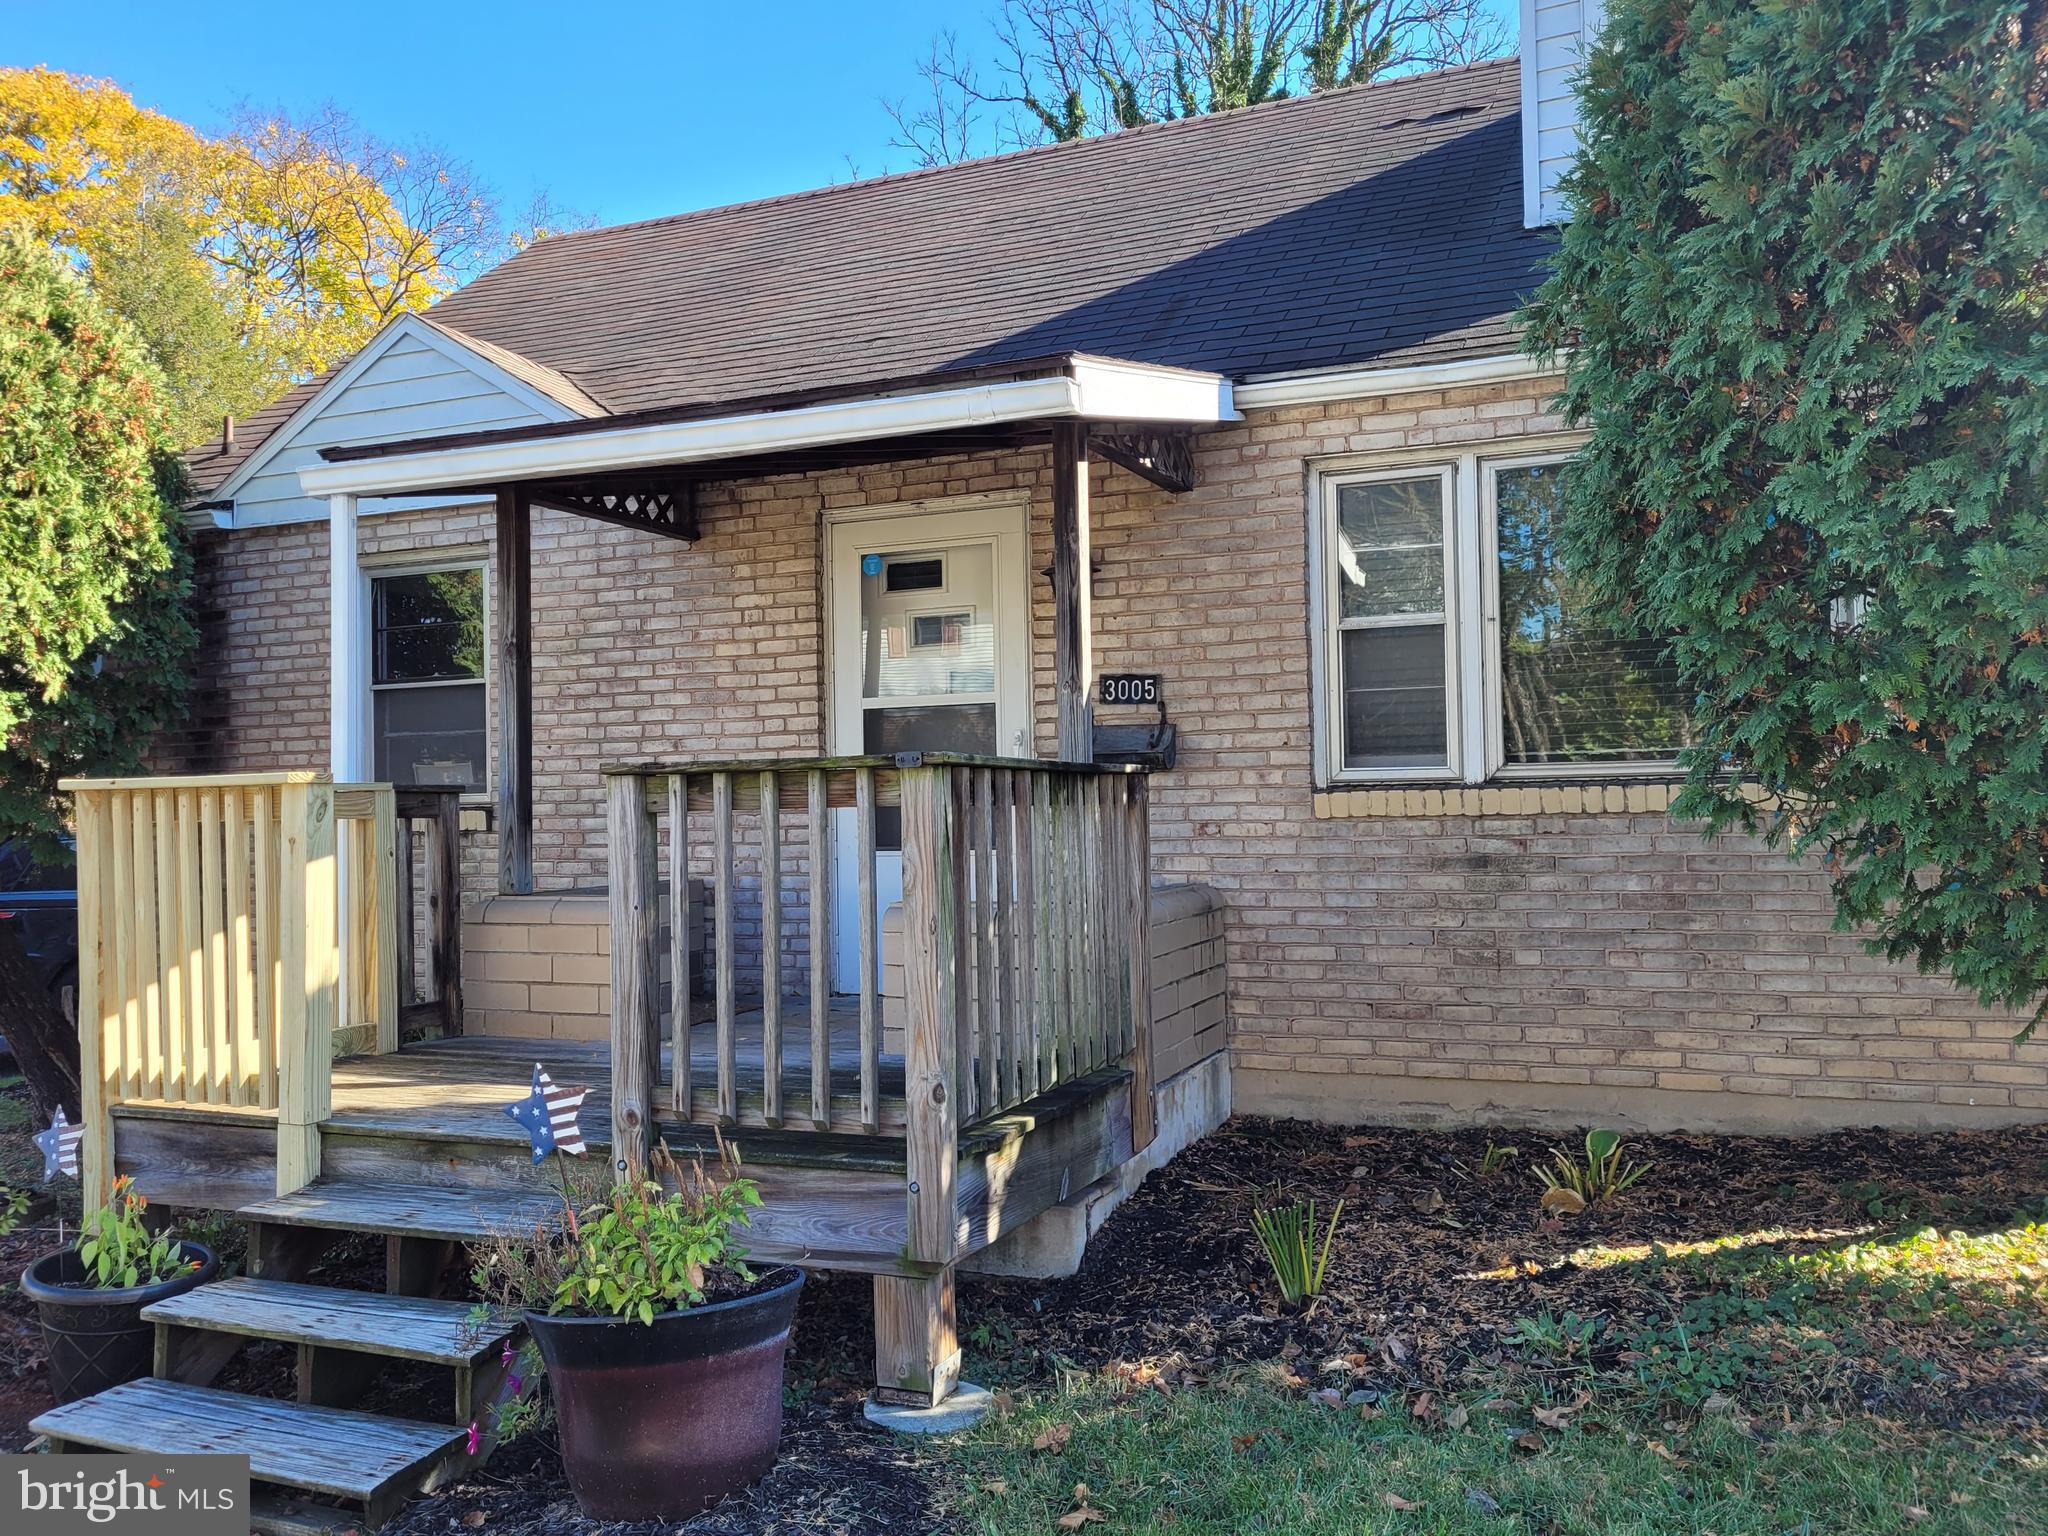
(1440, 958)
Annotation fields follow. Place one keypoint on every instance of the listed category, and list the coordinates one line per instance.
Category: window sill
(1637, 796)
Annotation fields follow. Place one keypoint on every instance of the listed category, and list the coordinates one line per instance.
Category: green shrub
(633, 1251)
(118, 1249)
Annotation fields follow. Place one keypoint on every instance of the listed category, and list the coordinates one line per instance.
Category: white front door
(930, 617)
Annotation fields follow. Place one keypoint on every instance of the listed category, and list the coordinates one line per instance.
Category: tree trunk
(45, 1047)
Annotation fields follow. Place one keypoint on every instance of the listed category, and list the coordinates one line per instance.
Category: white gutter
(1095, 390)
(1314, 388)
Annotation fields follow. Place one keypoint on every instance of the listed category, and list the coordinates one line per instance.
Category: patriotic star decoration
(548, 1116)
(59, 1146)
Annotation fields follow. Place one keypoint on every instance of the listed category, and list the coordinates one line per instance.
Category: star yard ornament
(548, 1116)
(59, 1146)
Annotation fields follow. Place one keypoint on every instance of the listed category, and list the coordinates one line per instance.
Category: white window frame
(1475, 730)
(1335, 625)
(378, 568)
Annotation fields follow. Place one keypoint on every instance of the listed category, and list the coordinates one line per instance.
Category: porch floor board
(458, 1088)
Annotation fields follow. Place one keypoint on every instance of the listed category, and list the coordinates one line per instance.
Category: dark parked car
(40, 902)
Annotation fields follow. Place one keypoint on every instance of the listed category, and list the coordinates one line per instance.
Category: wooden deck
(460, 1087)
(419, 1144)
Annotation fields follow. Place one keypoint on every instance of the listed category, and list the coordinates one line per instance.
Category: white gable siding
(1555, 35)
(410, 388)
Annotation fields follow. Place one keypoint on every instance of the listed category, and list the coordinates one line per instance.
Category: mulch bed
(1433, 1263)
(836, 1474)
(1432, 1266)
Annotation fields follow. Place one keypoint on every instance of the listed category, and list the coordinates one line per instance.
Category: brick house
(1218, 425)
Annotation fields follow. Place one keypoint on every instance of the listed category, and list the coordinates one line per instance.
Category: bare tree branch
(1064, 69)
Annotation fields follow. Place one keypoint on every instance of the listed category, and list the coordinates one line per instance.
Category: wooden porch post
(917, 1349)
(636, 978)
(308, 979)
(515, 690)
(1073, 623)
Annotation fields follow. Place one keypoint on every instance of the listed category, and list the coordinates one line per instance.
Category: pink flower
(475, 1439)
(506, 1354)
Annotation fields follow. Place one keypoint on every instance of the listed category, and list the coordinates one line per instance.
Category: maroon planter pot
(662, 1420)
(97, 1339)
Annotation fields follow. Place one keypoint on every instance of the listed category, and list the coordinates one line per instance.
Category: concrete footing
(966, 1406)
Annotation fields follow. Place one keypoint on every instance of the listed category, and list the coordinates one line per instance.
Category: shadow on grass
(1872, 1318)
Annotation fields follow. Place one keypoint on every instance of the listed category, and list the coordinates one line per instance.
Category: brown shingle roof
(1381, 224)
(1328, 229)
(209, 466)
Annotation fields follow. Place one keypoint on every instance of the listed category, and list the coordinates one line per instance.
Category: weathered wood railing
(1025, 890)
(214, 968)
(429, 886)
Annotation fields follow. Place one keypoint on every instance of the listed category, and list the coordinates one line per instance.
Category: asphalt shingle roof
(1377, 225)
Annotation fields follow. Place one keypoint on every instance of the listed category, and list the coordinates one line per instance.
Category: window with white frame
(1453, 645)
(427, 697)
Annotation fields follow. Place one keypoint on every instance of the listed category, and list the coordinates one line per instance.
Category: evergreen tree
(95, 634)
(1802, 298)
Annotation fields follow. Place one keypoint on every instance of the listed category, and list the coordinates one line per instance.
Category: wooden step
(362, 1457)
(284, 1513)
(403, 1327)
(409, 1210)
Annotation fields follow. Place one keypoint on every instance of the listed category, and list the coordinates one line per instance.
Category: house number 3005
(1130, 688)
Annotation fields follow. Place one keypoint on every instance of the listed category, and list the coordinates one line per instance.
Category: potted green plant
(662, 1350)
(90, 1295)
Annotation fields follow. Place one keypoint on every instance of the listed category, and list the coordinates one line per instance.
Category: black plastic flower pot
(661, 1420)
(96, 1339)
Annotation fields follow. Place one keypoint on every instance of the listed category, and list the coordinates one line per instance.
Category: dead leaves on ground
(1557, 1415)
(1083, 1513)
(1053, 1437)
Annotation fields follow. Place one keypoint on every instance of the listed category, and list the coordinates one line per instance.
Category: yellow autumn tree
(245, 261)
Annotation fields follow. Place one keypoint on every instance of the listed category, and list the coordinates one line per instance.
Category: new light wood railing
(1026, 904)
(212, 948)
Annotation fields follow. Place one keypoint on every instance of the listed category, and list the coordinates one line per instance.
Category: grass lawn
(1830, 1336)
(1240, 1455)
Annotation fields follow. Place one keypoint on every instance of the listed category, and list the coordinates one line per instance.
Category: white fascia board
(405, 326)
(1119, 391)
(1364, 383)
(1094, 391)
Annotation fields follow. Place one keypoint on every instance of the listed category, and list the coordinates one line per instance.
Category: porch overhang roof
(942, 409)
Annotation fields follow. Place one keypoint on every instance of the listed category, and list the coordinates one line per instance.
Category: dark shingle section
(1381, 223)
(1377, 225)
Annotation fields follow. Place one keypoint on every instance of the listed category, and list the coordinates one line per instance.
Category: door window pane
(964, 728)
(1395, 714)
(927, 624)
(1571, 690)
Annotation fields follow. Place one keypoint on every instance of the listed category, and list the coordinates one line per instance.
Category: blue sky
(616, 109)
(621, 110)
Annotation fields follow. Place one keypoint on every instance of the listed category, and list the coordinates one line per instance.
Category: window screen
(1392, 615)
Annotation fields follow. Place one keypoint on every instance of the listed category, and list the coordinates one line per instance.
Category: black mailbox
(1149, 745)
